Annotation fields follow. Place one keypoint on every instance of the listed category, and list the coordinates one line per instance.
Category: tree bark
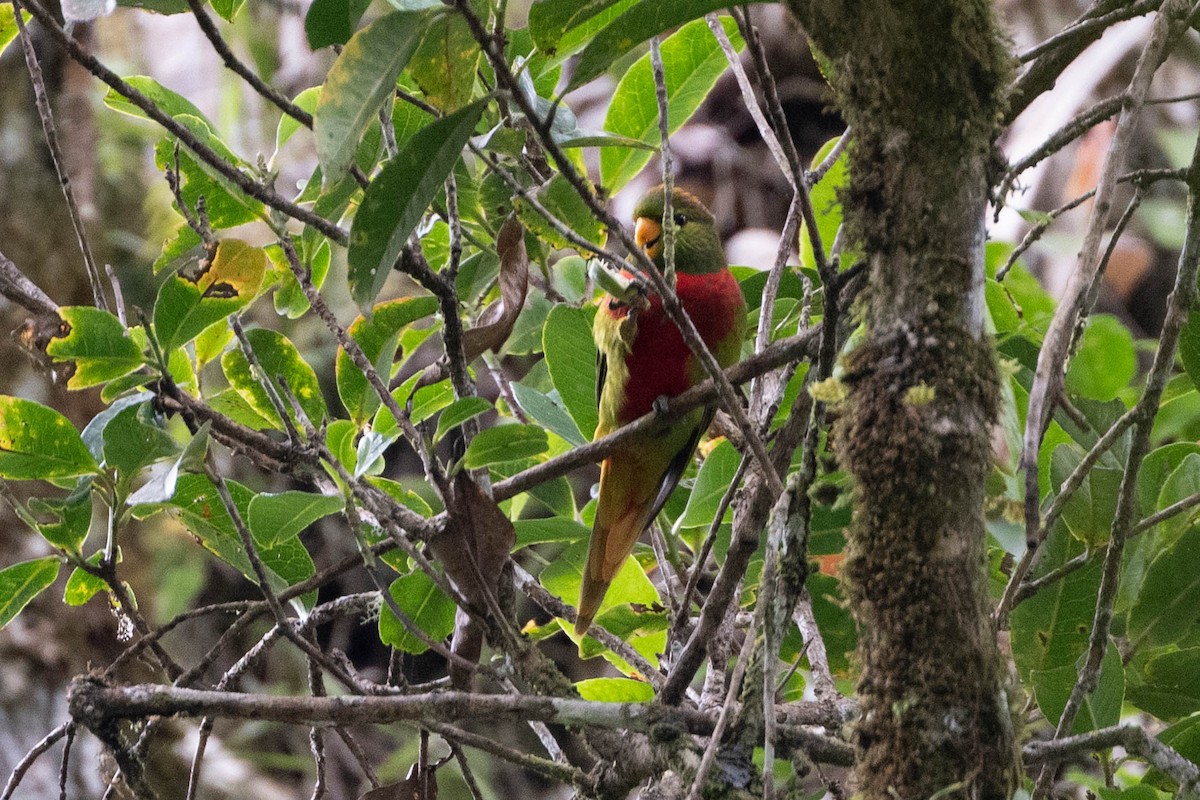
(922, 86)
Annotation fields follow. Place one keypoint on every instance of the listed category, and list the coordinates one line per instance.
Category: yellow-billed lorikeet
(642, 357)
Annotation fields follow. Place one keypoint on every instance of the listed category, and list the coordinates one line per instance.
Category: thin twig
(46, 115)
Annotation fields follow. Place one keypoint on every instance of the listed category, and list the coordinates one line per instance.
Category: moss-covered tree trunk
(921, 85)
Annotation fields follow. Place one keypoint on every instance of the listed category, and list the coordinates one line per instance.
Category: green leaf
(38, 443)
(1183, 482)
(1165, 685)
(228, 9)
(1189, 346)
(72, 517)
(422, 602)
(571, 358)
(615, 690)
(1165, 609)
(82, 586)
(198, 507)
(550, 19)
(561, 200)
(459, 412)
(826, 205)
(505, 443)
(1050, 629)
(428, 400)
(98, 344)
(646, 19)
(551, 529)
(1105, 362)
(1100, 709)
(169, 102)
(445, 62)
(713, 480)
(1155, 471)
(692, 62)
(279, 359)
(359, 82)
(226, 204)
(549, 412)
(135, 438)
(563, 575)
(397, 198)
(187, 305)
(20, 583)
(379, 337)
(1090, 511)
(275, 517)
(332, 21)
(8, 28)
(290, 300)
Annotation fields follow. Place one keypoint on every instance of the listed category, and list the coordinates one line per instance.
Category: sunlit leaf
(38, 443)
(22, 582)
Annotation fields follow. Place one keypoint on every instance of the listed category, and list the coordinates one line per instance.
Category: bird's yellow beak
(648, 235)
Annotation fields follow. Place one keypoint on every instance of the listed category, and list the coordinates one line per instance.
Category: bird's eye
(680, 220)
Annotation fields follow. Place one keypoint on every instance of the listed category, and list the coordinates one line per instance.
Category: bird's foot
(662, 405)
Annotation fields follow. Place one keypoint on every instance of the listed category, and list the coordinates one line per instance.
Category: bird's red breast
(660, 362)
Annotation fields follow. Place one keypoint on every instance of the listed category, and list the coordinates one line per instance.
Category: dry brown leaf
(473, 549)
(496, 322)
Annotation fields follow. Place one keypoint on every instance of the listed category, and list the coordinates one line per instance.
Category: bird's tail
(621, 516)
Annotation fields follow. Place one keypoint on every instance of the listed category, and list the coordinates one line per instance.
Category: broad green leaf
(169, 102)
(692, 62)
(405, 497)
(561, 200)
(332, 21)
(547, 411)
(379, 338)
(1105, 362)
(369, 452)
(82, 586)
(290, 300)
(419, 598)
(397, 198)
(1165, 684)
(1090, 511)
(362, 78)
(228, 9)
(563, 575)
(505, 443)
(198, 507)
(226, 205)
(160, 488)
(1156, 469)
(711, 484)
(38, 443)
(445, 62)
(98, 344)
(1189, 346)
(22, 582)
(1183, 482)
(571, 357)
(288, 125)
(1165, 609)
(186, 305)
(1100, 709)
(645, 19)
(135, 438)
(428, 400)
(459, 412)
(550, 19)
(615, 690)
(275, 517)
(551, 529)
(71, 517)
(282, 363)
(8, 28)
(1050, 629)
(826, 205)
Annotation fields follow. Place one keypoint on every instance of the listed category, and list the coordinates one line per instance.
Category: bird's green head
(697, 245)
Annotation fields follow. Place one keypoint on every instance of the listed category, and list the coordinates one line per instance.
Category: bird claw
(662, 405)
